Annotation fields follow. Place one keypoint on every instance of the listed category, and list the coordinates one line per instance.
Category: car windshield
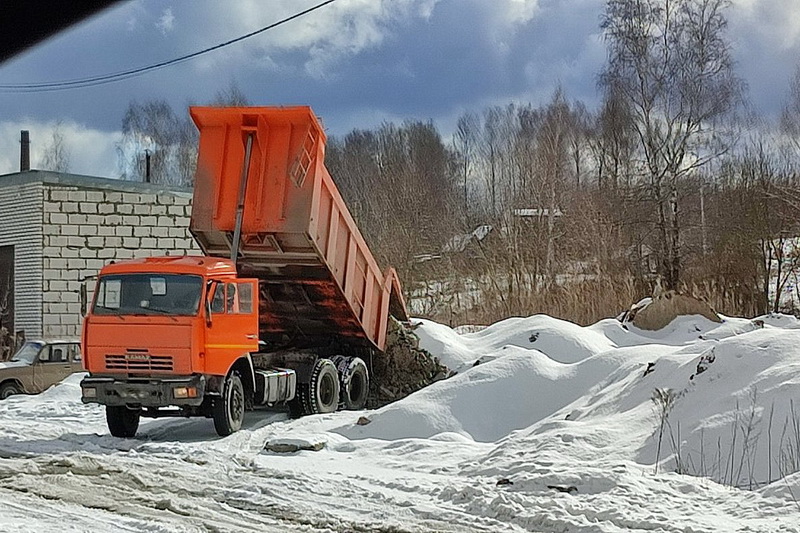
(148, 294)
(28, 352)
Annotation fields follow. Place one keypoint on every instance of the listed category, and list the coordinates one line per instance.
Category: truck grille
(139, 362)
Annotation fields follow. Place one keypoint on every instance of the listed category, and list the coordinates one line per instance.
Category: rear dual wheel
(321, 394)
(340, 381)
(353, 382)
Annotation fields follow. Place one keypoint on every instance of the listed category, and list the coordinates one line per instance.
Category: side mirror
(85, 294)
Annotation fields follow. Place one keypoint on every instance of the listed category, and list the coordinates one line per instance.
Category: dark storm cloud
(766, 38)
(360, 62)
(466, 54)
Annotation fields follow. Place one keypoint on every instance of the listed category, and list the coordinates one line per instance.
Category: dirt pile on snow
(403, 368)
(656, 313)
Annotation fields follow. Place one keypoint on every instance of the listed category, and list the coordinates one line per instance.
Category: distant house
(460, 243)
(537, 212)
(56, 229)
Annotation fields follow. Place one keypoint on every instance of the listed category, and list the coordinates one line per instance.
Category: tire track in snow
(245, 498)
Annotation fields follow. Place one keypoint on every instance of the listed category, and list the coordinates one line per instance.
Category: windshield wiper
(160, 311)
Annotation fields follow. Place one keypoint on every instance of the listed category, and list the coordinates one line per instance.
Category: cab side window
(44, 355)
(245, 298)
(218, 301)
(233, 302)
(233, 298)
(59, 353)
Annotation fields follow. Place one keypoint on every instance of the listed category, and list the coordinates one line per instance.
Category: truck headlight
(184, 392)
(89, 392)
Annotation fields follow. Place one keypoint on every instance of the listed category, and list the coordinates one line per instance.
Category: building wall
(21, 227)
(84, 228)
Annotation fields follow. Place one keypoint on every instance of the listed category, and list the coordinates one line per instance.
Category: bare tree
(671, 63)
(613, 141)
(56, 155)
(231, 96)
(401, 184)
(553, 149)
(790, 118)
(154, 130)
(465, 141)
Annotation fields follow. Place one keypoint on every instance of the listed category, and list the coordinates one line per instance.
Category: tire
(228, 411)
(353, 382)
(298, 406)
(321, 394)
(122, 422)
(9, 389)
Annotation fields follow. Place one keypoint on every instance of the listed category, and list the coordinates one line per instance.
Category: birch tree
(671, 62)
(56, 155)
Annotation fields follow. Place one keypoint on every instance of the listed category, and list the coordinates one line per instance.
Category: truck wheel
(228, 411)
(353, 382)
(9, 389)
(298, 406)
(322, 394)
(122, 422)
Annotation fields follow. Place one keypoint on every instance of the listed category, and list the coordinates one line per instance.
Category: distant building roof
(537, 212)
(79, 180)
(459, 243)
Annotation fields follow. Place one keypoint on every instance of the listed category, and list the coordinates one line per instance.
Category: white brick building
(57, 229)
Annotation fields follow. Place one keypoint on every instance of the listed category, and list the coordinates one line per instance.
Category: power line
(132, 73)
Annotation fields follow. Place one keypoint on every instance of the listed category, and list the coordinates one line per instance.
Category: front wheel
(228, 411)
(9, 389)
(122, 422)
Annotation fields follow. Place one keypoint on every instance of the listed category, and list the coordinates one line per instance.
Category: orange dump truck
(286, 307)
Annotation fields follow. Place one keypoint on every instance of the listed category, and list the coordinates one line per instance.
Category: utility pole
(703, 217)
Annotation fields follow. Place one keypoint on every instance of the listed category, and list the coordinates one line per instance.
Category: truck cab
(163, 337)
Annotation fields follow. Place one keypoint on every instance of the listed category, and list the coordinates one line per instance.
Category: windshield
(148, 294)
(28, 352)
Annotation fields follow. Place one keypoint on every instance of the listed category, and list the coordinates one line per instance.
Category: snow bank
(541, 378)
(553, 429)
(559, 340)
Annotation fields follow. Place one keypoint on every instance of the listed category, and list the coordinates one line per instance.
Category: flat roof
(78, 180)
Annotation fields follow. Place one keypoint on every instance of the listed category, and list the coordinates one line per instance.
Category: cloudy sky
(356, 62)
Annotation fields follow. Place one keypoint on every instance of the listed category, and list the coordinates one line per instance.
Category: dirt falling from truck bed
(403, 368)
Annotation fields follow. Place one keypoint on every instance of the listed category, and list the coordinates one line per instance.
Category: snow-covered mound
(559, 340)
(547, 426)
(723, 381)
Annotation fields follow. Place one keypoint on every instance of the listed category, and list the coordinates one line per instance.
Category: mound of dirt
(657, 313)
(403, 368)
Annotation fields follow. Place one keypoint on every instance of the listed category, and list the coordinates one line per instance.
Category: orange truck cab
(286, 307)
(166, 331)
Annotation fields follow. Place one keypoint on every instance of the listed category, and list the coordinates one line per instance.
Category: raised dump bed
(265, 167)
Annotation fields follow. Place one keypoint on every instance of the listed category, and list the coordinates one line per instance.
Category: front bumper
(142, 392)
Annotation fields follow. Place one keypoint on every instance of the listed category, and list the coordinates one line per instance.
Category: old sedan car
(38, 365)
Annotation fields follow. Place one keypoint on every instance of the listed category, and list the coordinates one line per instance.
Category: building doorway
(6, 302)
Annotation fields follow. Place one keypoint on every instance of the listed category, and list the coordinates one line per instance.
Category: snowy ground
(560, 415)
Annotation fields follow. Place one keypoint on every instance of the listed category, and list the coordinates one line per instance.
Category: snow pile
(547, 426)
(559, 340)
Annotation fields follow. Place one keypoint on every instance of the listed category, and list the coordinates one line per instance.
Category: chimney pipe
(147, 166)
(24, 151)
